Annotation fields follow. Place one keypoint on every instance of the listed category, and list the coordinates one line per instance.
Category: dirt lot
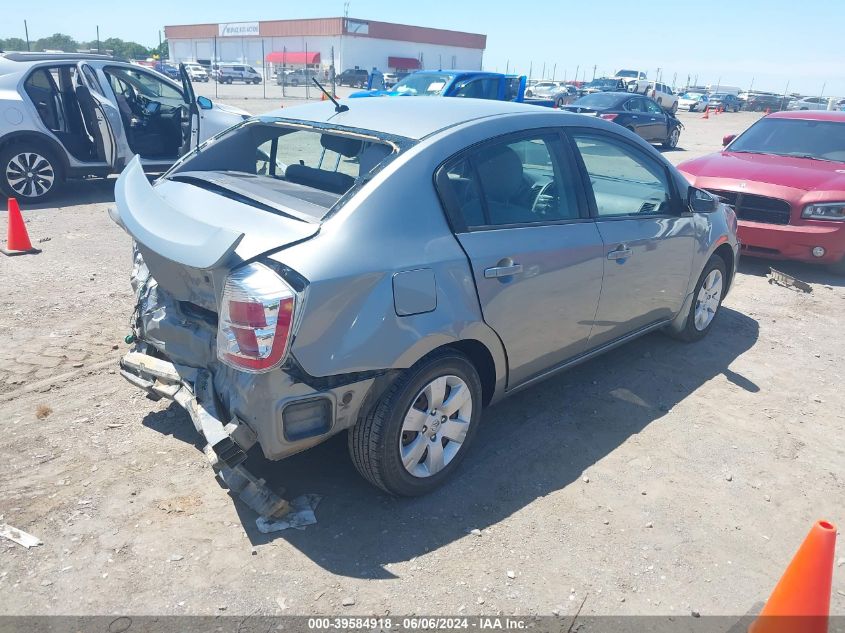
(658, 479)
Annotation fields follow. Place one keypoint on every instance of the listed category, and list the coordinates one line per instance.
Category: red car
(785, 178)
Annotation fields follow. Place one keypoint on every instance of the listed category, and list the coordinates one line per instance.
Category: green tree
(161, 51)
(57, 42)
(13, 44)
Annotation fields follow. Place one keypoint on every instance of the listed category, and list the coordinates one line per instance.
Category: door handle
(621, 253)
(502, 271)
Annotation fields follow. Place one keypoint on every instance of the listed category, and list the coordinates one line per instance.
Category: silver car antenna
(337, 106)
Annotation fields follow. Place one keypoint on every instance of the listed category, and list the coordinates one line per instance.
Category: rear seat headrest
(343, 145)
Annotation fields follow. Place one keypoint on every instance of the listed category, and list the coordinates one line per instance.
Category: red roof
(293, 57)
(810, 115)
(403, 63)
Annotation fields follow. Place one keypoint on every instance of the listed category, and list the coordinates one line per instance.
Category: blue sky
(771, 42)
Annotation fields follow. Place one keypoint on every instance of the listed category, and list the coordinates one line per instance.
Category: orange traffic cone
(323, 96)
(17, 240)
(801, 600)
(706, 113)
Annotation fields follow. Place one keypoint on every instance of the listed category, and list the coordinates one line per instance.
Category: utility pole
(822, 92)
(577, 68)
(98, 38)
(657, 74)
(554, 71)
(594, 70)
(544, 71)
(26, 31)
(530, 69)
(159, 47)
(507, 66)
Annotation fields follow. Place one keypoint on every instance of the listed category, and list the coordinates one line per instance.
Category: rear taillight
(255, 320)
(608, 117)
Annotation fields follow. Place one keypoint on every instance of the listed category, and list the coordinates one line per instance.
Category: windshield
(627, 73)
(267, 162)
(821, 140)
(546, 86)
(424, 84)
(692, 95)
(602, 83)
(597, 101)
(718, 95)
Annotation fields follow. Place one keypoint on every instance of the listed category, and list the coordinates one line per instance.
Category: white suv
(664, 95)
(68, 115)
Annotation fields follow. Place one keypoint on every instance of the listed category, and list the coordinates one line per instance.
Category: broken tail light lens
(255, 320)
(608, 117)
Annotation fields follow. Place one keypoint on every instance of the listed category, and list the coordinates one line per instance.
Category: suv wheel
(30, 171)
(414, 437)
(707, 300)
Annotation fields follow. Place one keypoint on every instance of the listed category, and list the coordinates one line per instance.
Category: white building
(353, 42)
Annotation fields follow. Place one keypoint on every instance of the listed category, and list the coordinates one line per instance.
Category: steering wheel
(546, 193)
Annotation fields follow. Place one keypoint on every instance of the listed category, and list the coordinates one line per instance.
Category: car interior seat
(325, 179)
(505, 188)
(89, 117)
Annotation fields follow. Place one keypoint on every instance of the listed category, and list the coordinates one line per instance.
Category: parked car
(551, 90)
(635, 80)
(168, 70)
(664, 95)
(693, 101)
(230, 73)
(298, 77)
(283, 302)
(196, 72)
(725, 101)
(639, 114)
(472, 84)
(67, 115)
(808, 103)
(758, 102)
(605, 85)
(785, 178)
(353, 77)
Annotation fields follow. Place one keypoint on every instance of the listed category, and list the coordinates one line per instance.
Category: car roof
(40, 57)
(810, 115)
(410, 117)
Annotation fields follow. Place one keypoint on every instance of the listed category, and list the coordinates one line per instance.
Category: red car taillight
(255, 320)
(608, 117)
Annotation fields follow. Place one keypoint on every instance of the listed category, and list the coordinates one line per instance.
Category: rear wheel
(414, 437)
(30, 171)
(707, 300)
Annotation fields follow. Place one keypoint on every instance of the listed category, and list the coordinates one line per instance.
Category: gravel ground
(661, 478)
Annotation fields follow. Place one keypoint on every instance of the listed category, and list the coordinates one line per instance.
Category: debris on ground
(42, 411)
(19, 536)
(787, 281)
(348, 601)
(300, 516)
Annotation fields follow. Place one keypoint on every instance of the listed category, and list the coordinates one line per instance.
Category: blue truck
(473, 84)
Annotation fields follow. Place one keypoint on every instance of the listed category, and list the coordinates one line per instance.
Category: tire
(671, 141)
(693, 332)
(43, 162)
(376, 442)
(558, 103)
(674, 107)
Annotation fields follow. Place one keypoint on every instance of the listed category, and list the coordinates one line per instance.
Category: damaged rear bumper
(226, 447)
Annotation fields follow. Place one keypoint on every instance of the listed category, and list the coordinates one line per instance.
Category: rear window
(317, 165)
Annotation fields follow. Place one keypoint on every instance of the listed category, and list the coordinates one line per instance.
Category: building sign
(357, 27)
(238, 29)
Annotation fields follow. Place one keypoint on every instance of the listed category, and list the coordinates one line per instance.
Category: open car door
(99, 115)
(190, 114)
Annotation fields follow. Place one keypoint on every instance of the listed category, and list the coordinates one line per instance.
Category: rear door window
(513, 181)
(44, 92)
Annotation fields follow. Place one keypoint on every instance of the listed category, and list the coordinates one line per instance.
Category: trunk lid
(193, 229)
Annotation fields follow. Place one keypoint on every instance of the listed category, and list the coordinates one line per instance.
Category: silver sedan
(391, 268)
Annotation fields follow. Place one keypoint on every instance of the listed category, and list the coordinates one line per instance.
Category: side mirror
(727, 139)
(204, 103)
(701, 202)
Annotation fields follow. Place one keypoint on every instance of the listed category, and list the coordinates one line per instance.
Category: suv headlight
(824, 211)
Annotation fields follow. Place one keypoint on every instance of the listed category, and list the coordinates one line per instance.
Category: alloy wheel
(674, 137)
(30, 174)
(707, 301)
(435, 426)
